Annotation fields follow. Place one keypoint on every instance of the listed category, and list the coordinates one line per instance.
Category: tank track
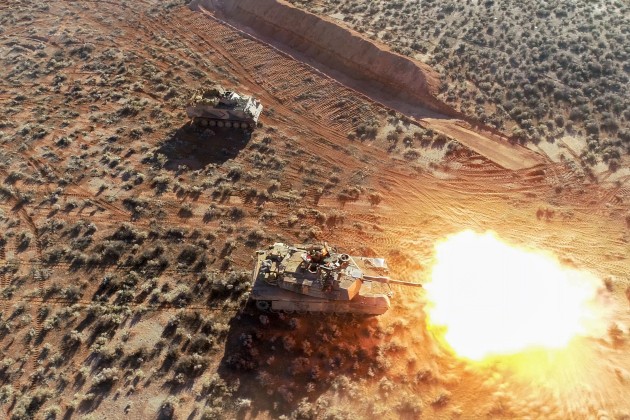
(211, 122)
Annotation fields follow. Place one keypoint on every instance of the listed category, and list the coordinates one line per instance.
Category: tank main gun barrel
(388, 280)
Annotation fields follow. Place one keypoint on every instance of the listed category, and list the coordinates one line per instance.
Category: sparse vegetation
(535, 71)
(127, 238)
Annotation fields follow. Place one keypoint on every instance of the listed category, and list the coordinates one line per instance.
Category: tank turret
(216, 107)
(315, 278)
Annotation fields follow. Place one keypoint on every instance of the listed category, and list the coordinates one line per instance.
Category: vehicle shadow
(196, 147)
(279, 360)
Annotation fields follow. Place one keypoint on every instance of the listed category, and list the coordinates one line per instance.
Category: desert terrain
(128, 236)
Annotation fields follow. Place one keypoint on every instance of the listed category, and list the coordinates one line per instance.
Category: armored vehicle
(216, 107)
(315, 278)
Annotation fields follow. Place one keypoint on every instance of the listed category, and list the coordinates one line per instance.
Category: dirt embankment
(390, 79)
(337, 48)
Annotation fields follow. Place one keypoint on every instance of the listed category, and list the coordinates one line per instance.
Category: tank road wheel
(263, 305)
(244, 125)
(252, 126)
(220, 124)
(228, 124)
(212, 123)
(203, 122)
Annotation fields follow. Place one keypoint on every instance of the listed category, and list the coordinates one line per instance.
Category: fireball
(488, 298)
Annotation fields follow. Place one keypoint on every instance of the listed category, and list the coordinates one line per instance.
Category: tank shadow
(279, 361)
(196, 148)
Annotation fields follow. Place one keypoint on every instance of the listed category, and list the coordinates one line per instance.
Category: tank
(315, 278)
(217, 107)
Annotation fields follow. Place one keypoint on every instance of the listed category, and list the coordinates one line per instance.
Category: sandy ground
(552, 206)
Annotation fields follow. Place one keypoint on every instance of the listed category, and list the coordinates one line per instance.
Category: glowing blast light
(489, 298)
